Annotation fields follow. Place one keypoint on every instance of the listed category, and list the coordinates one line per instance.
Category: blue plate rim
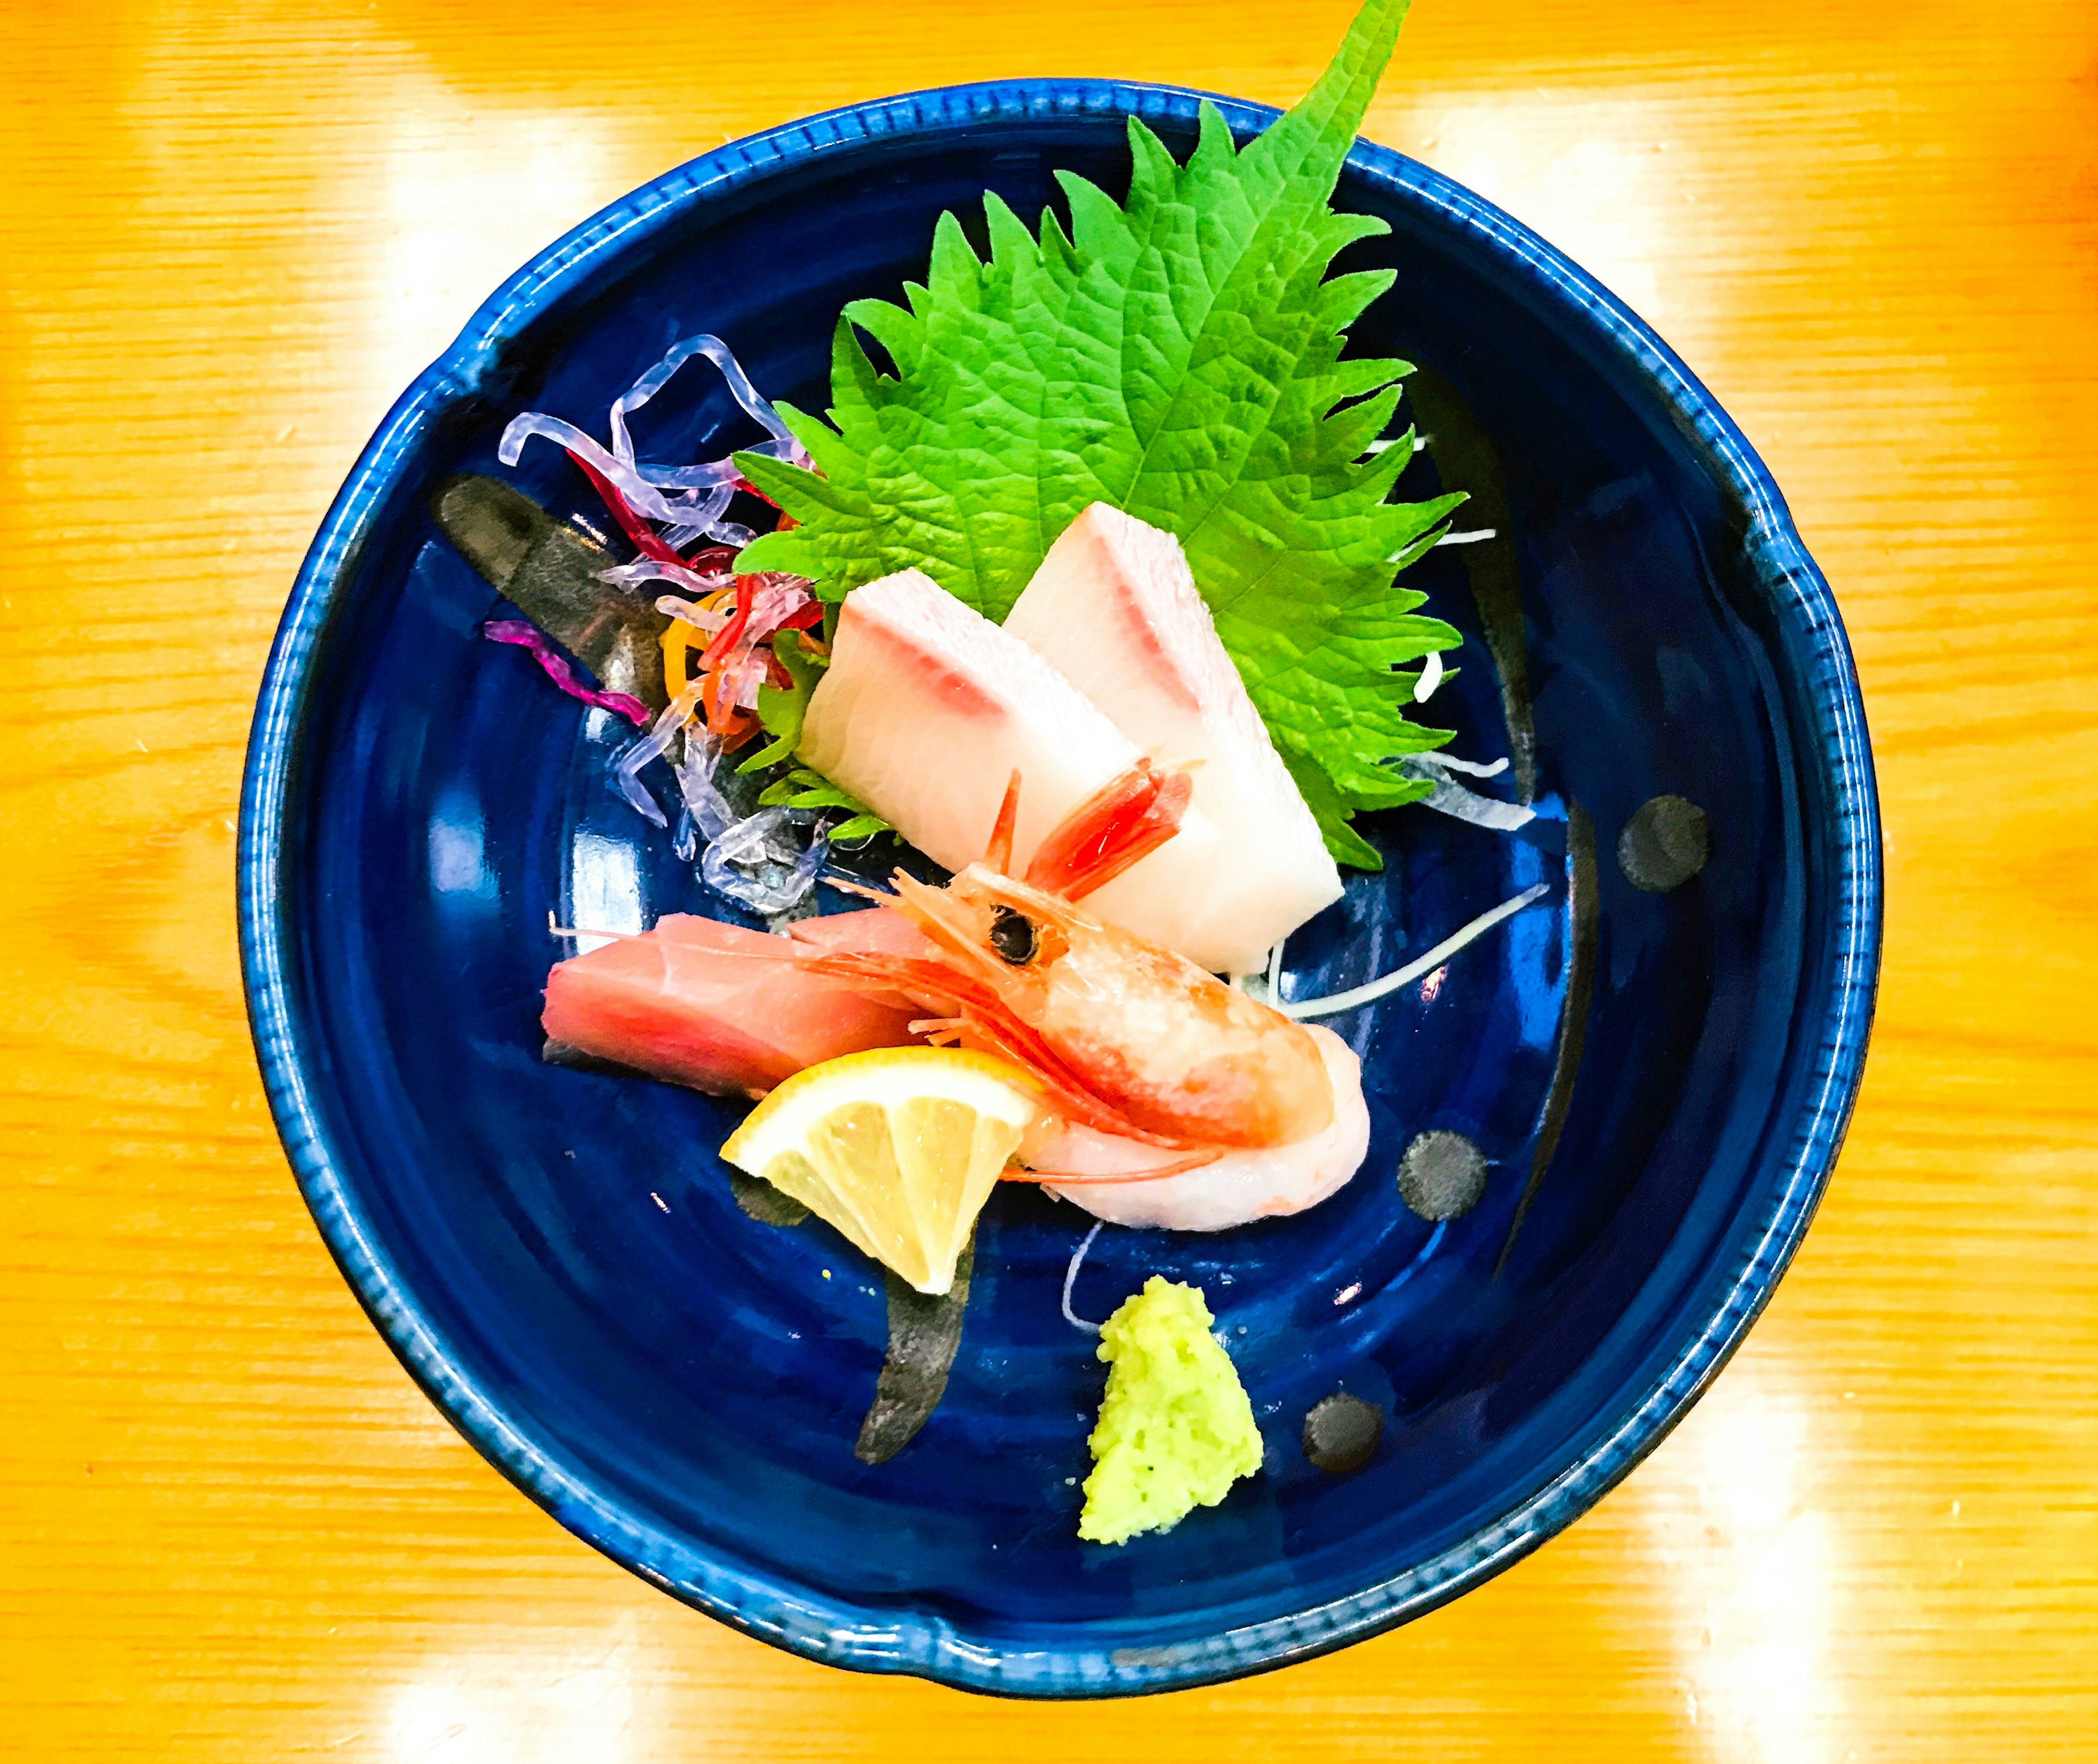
(836, 1632)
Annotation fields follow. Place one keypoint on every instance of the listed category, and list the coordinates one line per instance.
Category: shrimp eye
(1012, 936)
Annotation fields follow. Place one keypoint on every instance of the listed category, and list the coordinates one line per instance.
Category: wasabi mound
(1175, 1430)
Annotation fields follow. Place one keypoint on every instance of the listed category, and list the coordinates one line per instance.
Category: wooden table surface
(235, 1531)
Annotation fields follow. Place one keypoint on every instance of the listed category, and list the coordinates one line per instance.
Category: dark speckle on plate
(1442, 1175)
(1341, 1432)
(1665, 843)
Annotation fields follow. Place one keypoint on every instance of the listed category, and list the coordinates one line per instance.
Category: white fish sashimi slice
(1114, 609)
(928, 708)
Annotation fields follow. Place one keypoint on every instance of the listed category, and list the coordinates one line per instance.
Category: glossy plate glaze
(1658, 1078)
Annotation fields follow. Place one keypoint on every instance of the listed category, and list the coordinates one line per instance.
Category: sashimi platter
(1060, 883)
(1014, 719)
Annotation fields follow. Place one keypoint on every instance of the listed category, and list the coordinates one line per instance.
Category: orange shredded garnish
(678, 641)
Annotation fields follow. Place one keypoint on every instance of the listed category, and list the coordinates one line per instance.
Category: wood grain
(235, 1531)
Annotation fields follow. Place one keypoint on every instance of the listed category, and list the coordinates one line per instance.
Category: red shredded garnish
(731, 633)
(731, 722)
(638, 530)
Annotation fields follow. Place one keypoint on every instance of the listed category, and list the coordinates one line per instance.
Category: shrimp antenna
(997, 854)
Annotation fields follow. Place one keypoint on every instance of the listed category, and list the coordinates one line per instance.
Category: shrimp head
(1175, 1050)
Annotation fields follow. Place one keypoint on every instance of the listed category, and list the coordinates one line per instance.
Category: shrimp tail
(1123, 821)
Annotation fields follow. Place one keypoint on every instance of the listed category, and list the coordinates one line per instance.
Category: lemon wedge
(899, 1148)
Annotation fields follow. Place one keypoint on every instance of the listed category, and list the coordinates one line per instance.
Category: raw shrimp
(1179, 1055)
(1229, 1189)
(1162, 1076)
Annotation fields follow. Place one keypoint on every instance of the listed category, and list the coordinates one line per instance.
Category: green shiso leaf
(1178, 356)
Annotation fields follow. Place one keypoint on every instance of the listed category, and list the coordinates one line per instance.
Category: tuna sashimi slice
(713, 1006)
(872, 931)
(1114, 609)
(880, 930)
(926, 711)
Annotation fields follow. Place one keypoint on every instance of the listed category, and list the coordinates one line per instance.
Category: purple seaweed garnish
(528, 636)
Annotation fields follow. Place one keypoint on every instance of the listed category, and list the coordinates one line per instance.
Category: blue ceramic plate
(1657, 1078)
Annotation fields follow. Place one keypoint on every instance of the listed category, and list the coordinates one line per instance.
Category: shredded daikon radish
(754, 403)
(779, 599)
(643, 498)
(704, 488)
(1071, 1280)
(554, 930)
(758, 863)
(1303, 1009)
(647, 569)
(696, 783)
(741, 688)
(702, 518)
(1446, 796)
(1471, 768)
(671, 607)
(653, 746)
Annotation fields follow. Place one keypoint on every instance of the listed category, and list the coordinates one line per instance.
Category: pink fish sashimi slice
(875, 931)
(1113, 608)
(713, 1006)
(926, 711)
